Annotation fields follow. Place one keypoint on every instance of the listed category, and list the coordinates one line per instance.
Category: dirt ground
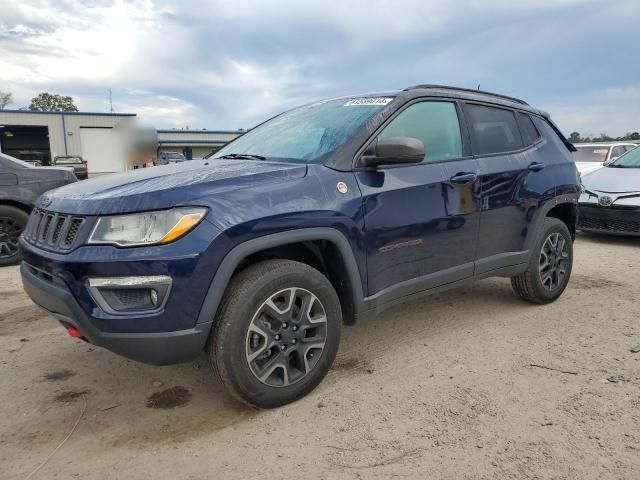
(472, 383)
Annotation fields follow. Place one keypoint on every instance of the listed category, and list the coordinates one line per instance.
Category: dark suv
(324, 215)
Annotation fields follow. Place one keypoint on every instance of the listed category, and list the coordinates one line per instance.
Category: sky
(228, 65)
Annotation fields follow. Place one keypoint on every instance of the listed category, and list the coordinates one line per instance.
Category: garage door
(100, 150)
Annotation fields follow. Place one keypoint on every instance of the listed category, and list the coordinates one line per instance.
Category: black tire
(247, 326)
(539, 283)
(12, 223)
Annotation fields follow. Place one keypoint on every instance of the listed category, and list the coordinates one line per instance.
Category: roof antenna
(478, 87)
(110, 101)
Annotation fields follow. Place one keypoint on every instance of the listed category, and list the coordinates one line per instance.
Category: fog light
(126, 295)
(154, 296)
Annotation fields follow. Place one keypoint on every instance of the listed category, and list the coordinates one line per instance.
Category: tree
(633, 136)
(47, 102)
(6, 98)
(603, 138)
(575, 137)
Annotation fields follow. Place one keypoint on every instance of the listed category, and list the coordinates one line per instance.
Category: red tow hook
(74, 332)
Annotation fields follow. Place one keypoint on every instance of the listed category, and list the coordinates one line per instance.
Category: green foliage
(6, 98)
(47, 102)
(575, 137)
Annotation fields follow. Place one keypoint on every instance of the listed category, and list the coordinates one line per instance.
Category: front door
(421, 220)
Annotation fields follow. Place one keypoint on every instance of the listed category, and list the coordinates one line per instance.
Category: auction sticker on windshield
(368, 101)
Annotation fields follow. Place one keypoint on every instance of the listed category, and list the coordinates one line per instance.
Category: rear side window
(595, 153)
(493, 130)
(529, 132)
(435, 123)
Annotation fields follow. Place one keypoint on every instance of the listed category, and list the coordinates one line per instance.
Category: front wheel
(550, 266)
(12, 223)
(276, 334)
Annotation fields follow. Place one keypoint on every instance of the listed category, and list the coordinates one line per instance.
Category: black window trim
(512, 110)
(462, 123)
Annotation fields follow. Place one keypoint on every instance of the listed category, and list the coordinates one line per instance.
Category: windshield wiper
(243, 156)
(613, 165)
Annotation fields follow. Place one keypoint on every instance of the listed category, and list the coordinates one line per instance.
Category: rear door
(421, 220)
(505, 143)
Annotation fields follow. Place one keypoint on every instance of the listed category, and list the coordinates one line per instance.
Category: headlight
(147, 228)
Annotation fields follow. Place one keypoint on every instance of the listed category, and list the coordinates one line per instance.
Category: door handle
(462, 178)
(536, 167)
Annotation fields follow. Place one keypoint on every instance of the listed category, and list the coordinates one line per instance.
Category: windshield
(174, 156)
(631, 159)
(594, 153)
(307, 134)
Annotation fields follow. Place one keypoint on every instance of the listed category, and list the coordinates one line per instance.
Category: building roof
(103, 114)
(203, 131)
(177, 141)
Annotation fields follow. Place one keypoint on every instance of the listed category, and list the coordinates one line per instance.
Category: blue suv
(324, 215)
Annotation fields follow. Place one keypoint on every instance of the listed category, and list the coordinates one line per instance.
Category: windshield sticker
(600, 151)
(368, 101)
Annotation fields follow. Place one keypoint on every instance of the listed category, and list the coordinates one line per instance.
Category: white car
(591, 156)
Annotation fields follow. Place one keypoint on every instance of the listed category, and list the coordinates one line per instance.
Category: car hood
(185, 183)
(587, 167)
(35, 175)
(613, 180)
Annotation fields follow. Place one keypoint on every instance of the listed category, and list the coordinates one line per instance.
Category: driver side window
(435, 124)
(617, 151)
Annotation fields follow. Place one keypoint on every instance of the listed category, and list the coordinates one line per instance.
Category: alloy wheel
(286, 337)
(10, 230)
(554, 260)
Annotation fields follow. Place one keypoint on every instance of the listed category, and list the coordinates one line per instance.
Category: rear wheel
(550, 266)
(277, 332)
(12, 223)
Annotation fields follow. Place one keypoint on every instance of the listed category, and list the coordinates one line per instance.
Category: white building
(42, 136)
(195, 143)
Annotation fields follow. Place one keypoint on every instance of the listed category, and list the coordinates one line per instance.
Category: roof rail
(469, 90)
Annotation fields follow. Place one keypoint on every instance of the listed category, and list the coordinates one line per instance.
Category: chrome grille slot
(45, 229)
(53, 231)
(56, 229)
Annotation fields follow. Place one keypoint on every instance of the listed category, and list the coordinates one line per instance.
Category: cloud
(232, 64)
(613, 111)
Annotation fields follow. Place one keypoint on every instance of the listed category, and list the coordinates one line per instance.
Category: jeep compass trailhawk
(324, 215)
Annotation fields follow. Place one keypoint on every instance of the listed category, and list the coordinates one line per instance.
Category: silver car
(591, 156)
(610, 202)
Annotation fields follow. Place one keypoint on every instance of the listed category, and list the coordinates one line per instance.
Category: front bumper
(617, 220)
(173, 333)
(162, 348)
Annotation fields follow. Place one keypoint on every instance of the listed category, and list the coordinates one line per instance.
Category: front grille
(609, 219)
(54, 231)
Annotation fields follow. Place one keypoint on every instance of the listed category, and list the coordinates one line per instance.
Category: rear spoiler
(566, 142)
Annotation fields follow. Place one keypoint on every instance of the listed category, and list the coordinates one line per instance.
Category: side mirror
(391, 151)
(610, 161)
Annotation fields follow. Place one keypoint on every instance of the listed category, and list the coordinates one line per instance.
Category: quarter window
(493, 130)
(435, 124)
(529, 133)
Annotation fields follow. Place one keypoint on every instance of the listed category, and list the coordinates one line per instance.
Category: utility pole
(110, 101)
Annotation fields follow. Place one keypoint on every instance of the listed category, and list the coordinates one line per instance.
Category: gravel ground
(472, 383)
